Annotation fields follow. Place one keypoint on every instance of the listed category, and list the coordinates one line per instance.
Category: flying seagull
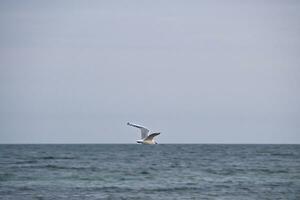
(145, 138)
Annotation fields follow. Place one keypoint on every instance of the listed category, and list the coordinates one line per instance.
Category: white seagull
(145, 138)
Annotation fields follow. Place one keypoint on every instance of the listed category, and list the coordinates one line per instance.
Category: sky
(196, 71)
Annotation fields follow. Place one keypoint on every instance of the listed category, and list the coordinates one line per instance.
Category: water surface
(164, 171)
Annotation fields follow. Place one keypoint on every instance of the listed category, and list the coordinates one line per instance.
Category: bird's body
(145, 138)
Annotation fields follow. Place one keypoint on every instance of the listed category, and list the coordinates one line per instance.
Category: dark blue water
(149, 172)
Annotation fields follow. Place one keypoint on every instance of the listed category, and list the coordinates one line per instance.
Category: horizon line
(41, 143)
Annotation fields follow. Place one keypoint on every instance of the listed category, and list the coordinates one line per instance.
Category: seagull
(145, 138)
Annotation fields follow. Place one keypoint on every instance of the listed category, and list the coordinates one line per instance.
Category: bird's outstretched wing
(144, 131)
(151, 136)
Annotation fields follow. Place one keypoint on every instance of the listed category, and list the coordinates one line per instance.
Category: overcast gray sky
(198, 71)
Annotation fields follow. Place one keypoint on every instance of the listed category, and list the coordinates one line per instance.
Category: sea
(163, 171)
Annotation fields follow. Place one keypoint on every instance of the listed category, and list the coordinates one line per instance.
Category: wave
(136, 189)
(61, 167)
(56, 158)
(25, 162)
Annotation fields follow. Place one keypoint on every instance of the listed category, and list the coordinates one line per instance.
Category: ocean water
(164, 171)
